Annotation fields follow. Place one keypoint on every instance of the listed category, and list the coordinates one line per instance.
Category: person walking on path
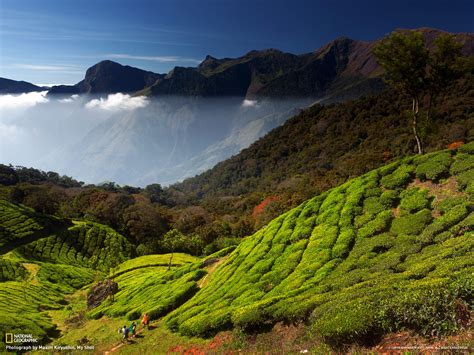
(145, 321)
(125, 331)
(133, 329)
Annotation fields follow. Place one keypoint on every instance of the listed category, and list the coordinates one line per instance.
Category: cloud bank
(118, 101)
(69, 99)
(22, 101)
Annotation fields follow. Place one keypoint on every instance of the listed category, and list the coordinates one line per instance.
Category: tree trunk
(415, 110)
(171, 258)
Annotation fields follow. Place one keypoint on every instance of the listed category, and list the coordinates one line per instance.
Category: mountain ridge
(10, 86)
(339, 70)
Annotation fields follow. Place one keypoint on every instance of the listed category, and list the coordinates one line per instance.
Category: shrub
(449, 219)
(467, 148)
(413, 200)
(412, 224)
(399, 178)
(465, 179)
(462, 163)
(378, 225)
(344, 243)
(446, 205)
(438, 313)
(388, 198)
(434, 166)
(356, 323)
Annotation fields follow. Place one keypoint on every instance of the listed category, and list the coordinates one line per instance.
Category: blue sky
(55, 41)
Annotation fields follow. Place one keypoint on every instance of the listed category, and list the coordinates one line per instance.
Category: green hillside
(84, 244)
(19, 225)
(145, 261)
(45, 259)
(388, 250)
(153, 289)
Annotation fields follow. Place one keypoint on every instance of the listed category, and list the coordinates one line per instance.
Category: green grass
(348, 261)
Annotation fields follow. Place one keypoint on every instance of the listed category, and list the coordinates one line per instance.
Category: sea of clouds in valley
(132, 140)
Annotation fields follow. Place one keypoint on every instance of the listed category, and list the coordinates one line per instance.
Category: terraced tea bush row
(155, 290)
(344, 256)
(17, 222)
(85, 244)
(23, 307)
(177, 259)
(11, 270)
(65, 278)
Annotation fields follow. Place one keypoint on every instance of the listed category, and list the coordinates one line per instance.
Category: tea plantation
(84, 244)
(19, 224)
(390, 250)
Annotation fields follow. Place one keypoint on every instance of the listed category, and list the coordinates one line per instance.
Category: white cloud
(48, 68)
(22, 101)
(51, 85)
(70, 99)
(160, 59)
(40, 67)
(118, 101)
(249, 103)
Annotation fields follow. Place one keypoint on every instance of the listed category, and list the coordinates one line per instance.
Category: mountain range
(342, 69)
(240, 98)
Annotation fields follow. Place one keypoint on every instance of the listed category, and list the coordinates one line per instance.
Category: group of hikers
(131, 331)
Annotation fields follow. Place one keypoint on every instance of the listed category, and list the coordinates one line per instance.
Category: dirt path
(33, 270)
(210, 270)
(201, 283)
(119, 345)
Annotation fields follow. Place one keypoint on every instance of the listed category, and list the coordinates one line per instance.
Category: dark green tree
(414, 70)
(404, 58)
(171, 241)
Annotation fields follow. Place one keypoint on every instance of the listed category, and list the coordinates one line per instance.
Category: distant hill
(109, 77)
(8, 86)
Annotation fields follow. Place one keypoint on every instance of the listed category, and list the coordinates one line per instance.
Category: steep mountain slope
(109, 77)
(388, 250)
(340, 70)
(325, 145)
(272, 73)
(8, 86)
(169, 139)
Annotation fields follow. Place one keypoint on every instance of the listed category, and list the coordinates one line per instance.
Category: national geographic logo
(13, 338)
